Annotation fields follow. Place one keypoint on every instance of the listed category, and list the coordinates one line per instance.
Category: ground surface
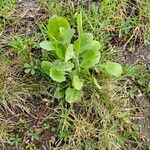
(32, 118)
(141, 55)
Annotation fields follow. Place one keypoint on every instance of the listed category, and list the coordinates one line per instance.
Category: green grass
(7, 8)
(31, 118)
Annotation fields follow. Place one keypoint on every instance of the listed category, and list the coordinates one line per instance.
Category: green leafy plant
(73, 60)
(34, 135)
(30, 68)
(14, 139)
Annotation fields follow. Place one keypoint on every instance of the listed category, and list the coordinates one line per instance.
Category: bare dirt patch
(144, 120)
(140, 56)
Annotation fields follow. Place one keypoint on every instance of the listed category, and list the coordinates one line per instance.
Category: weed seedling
(14, 139)
(73, 60)
(34, 135)
(30, 68)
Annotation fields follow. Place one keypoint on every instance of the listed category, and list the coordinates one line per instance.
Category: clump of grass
(7, 8)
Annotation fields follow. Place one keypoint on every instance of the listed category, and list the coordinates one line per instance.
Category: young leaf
(27, 70)
(54, 25)
(35, 67)
(26, 65)
(68, 36)
(79, 24)
(46, 65)
(32, 72)
(72, 95)
(84, 42)
(60, 51)
(77, 83)
(69, 53)
(31, 64)
(47, 45)
(90, 58)
(62, 31)
(59, 93)
(112, 68)
(56, 75)
(95, 45)
(63, 66)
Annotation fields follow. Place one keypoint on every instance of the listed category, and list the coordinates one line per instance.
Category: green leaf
(79, 24)
(72, 95)
(77, 44)
(26, 65)
(69, 53)
(112, 69)
(77, 83)
(32, 72)
(31, 64)
(147, 89)
(90, 58)
(47, 45)
(27, 70)
(96, 45)
(60, 51)
(56, 75)
(96, 83)
(35, 67)
(62, 31)
(1, 3)
(68, 36)
(59, 93)
(54, 25)
(46, 65)
(84, 42)
(63, 66)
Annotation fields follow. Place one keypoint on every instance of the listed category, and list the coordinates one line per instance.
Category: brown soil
(140, 56)
(144, 120)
